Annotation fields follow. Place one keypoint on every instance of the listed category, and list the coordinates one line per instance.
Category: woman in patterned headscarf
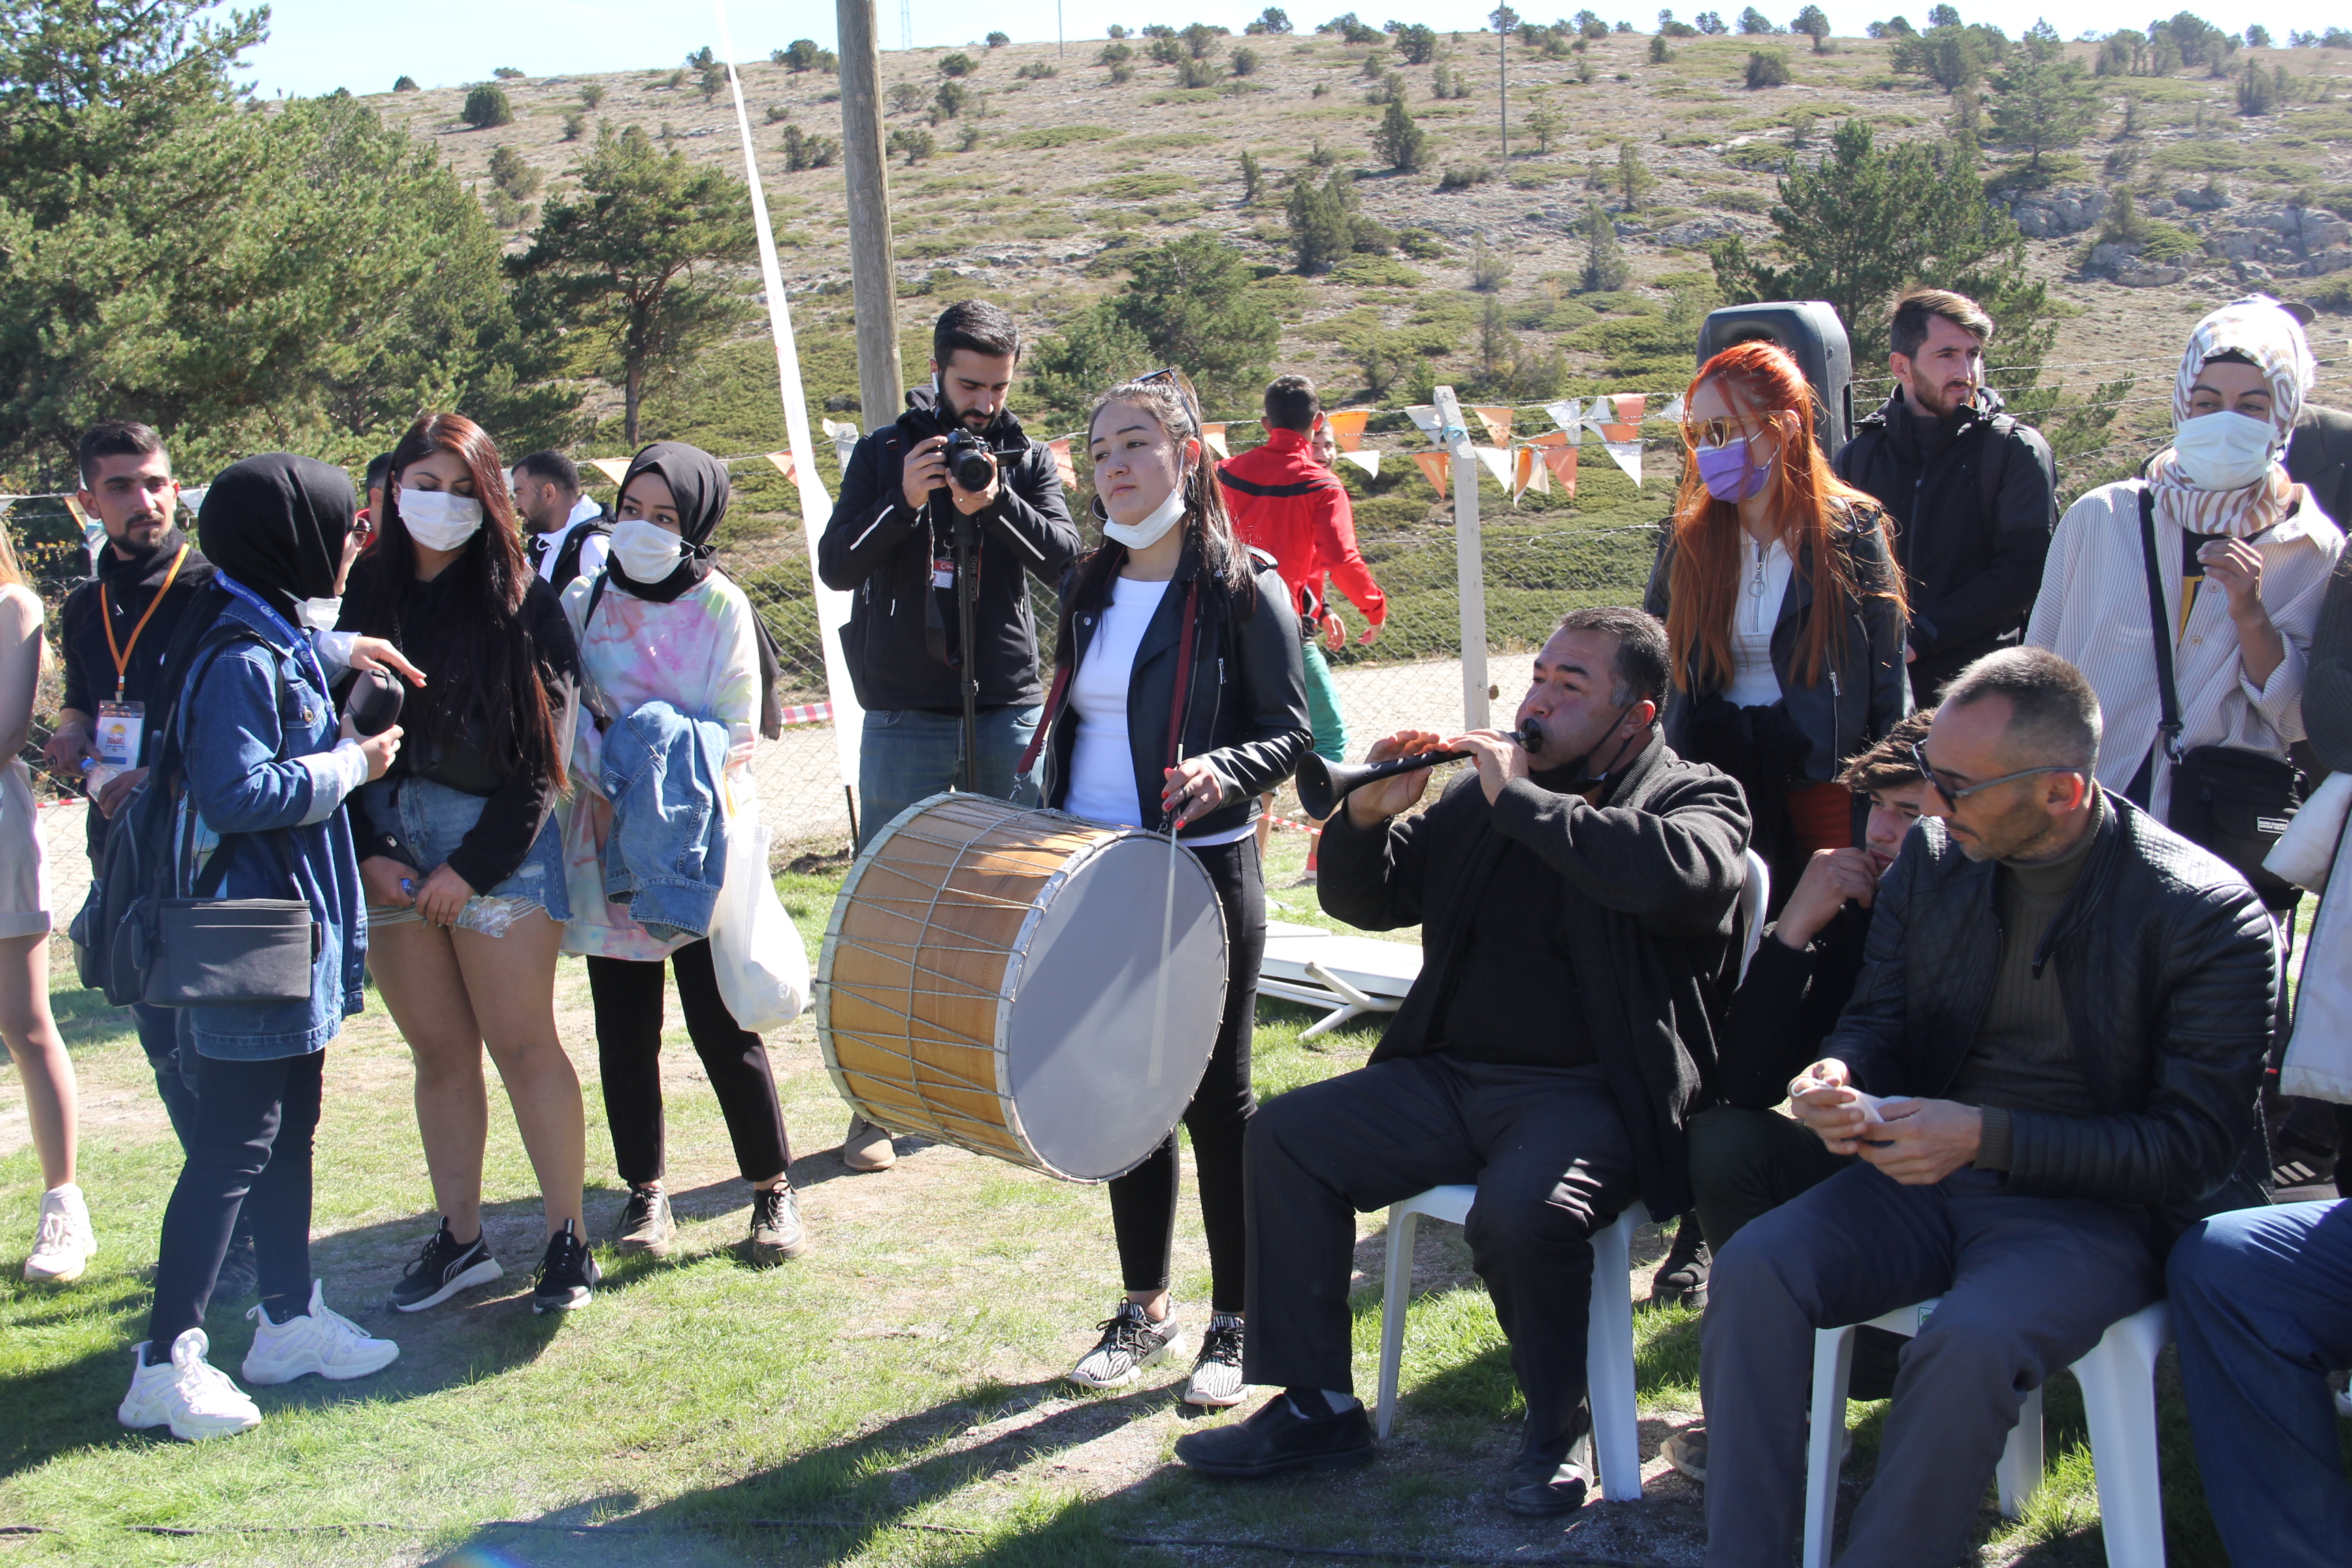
(2241, 553)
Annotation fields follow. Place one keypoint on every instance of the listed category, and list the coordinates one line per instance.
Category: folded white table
(1349, 975)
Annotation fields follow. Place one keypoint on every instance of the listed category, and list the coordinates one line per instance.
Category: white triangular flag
(1628, 455)
(844, 436)
(1425, 417)
(1600, 411)
(1368, 459)
(1565, 415)
(1497, 462)
(613, 469)
(1673, 412)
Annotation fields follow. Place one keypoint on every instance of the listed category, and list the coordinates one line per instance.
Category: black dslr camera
(971, 462)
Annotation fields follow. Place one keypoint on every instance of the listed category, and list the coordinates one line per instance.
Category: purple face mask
(1729, 475)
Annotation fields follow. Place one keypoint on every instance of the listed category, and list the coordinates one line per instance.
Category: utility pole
(1469, 558)
(1505, 19)
(872, 279)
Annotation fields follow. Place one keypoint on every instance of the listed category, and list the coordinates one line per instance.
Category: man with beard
(2063, 1012)
(114, 632)
(891, 544)
(1973, 493)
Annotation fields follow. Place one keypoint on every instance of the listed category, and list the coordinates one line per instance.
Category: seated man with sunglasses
(2068, 1007)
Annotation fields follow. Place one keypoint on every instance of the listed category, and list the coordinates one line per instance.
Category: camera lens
(972, 468)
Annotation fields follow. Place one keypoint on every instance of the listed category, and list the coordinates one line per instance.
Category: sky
(318, 45)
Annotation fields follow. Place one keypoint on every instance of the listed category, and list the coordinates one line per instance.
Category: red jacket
(1286, 503)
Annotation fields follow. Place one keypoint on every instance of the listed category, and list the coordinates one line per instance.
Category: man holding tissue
(2063, 1014)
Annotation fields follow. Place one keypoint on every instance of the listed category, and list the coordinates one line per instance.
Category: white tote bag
(755, 950)
(2318, 1063)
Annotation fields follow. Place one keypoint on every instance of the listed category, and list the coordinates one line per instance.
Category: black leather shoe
(1277, 1438)
(1539, 1484)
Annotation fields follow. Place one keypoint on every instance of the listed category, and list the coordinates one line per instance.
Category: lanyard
(106, 619)
(300, 640)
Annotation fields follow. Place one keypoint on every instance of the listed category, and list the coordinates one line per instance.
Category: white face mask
(1143, 535)
(319, 614)
(2224, 451)
(647, 551)
(439, 519)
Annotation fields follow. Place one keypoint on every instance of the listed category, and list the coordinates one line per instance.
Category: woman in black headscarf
(261, 784)
(659, 624)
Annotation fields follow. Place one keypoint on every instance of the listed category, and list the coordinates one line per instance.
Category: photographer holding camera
(955, 454)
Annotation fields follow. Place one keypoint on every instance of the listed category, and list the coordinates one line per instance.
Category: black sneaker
(645, 1223)
(1131, 1341)
(1683, 1276)
(568, 1275)
(443, 1269)
(240, 1279)
(1278, 1438)
(776, 1230)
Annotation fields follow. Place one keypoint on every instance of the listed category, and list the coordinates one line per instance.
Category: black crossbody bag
(2235, 802)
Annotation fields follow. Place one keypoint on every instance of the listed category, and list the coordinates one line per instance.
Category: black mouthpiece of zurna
(1323, 785)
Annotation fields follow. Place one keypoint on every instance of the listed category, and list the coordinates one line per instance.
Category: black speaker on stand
(1810, 330)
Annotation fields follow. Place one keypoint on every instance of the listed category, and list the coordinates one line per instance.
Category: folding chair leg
(1397, 1290)
(1608, 1367)
(2019, 1474)
(1825, 1445)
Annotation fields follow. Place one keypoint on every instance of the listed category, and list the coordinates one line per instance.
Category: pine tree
(1606, 268)
(1402, 143)
(2047, 102)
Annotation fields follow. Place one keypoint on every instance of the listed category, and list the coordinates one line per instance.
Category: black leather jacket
(1244, 711)
(879, 548)
(1860, 692)
(2169, 972)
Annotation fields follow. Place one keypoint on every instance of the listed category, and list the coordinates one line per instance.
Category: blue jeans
(907, 754)
(2262, 1304)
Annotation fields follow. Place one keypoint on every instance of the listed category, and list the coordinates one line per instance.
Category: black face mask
(1574, 777)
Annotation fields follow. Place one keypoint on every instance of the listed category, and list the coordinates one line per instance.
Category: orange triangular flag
(1062, 461)
(1627, 426)
(1437, 467)
(1214, 435)
(1497, 422)
(783, 461)
(1348, 427)
(613, 469)
(1562, 461)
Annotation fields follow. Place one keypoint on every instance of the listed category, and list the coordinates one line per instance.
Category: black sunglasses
(1953, 795)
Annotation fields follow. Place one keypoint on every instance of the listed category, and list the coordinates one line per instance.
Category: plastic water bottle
(96, 775)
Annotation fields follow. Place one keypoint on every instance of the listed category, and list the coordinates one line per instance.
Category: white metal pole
(1469, 558)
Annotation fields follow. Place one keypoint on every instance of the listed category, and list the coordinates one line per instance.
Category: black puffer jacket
(1860, 692)
(880, 549)
(1245, 707)
(1647, 881)
(2169, 973)
(1974, 497)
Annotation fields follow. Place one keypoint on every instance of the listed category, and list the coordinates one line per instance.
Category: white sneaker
(1131, 1341)
(1216, 1381)
(323, 1341)
(65, 1242)
(187, 1394)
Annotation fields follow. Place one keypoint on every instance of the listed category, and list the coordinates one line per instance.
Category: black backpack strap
(1994, 466)
(595, 596)
(2168, 726)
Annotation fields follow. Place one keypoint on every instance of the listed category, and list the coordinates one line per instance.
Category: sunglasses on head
(1181, 382)
(1955, 794)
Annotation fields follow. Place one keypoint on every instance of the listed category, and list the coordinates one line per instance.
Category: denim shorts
(432, 820)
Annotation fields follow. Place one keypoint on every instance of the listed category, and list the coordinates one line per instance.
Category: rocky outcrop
(2055, 213)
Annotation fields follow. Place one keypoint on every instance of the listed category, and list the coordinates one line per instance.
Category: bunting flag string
(1063, 462)
(1627, 426)
(1567, 414)
(783, 461)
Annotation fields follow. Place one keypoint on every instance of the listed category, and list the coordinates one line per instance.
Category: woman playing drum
(1178, 697)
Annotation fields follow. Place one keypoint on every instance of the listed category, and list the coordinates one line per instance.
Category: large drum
(994, 976)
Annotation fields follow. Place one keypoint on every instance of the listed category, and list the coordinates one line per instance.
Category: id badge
(942, 573)
(121, 730)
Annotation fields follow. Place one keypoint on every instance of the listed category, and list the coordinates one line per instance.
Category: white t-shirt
(1102, 763)
(592, 550)
(1763, 583)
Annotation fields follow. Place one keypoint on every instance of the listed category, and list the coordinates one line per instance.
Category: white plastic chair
(2118, 1379)
(1607, 1335)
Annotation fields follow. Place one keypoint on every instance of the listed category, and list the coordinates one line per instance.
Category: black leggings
(627, 994)
(249, 1150)
(1143, 1202)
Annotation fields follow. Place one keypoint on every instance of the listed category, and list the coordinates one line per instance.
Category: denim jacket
(667, 853)
(262, 757)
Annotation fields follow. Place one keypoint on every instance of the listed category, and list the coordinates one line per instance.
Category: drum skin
(992, 978)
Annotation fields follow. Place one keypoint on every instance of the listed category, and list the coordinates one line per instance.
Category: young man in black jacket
(114, 631)
(1576, 909)
(2070, 1006)
(891, 545)
(1973, 493)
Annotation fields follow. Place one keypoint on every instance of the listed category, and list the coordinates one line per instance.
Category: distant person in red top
(1287, 502)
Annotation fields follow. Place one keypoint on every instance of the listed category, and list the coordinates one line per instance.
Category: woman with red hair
(1783, 607)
